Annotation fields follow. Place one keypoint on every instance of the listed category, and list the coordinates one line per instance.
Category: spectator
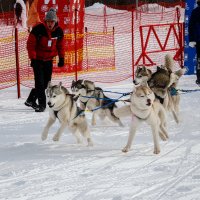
(45, 41)
(194, 36)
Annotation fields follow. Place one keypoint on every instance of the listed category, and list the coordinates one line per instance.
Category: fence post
(132, 30)
(75, 44)
(17, 62)
(86, 46)
(180, 31)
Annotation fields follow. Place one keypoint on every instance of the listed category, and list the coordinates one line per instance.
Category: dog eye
(54, 96)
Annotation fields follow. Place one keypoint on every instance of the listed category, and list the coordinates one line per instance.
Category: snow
(34, 170)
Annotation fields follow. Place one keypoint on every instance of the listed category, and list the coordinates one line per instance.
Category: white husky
(64, 108)
(144, 108)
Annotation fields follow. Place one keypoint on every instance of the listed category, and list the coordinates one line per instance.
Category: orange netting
(113, 43)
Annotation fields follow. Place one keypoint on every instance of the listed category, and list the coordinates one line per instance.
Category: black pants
(42, 75)
(198, 61)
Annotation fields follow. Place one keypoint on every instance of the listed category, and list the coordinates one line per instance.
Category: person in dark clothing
(194, 36)
(45, 41)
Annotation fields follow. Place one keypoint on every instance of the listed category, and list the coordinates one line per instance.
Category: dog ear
(49, 84)
(60, 85)
(142, 68)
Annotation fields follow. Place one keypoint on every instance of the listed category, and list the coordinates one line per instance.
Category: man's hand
(61, 62)
(192, 44)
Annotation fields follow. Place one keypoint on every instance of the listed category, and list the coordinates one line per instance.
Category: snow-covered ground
(34, 170)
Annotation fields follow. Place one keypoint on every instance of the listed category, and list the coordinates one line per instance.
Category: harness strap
(84, 103)
(142, 118)
(160, 99)
(56, 113)
(79, 112)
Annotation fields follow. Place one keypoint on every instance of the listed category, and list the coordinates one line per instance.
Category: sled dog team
(153, 95)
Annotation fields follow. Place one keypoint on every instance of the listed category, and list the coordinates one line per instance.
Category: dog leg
(154, 128)
(56, 137)
(93, 118)
(75, 132)
(113, 118)
(46, 128)
(132, 131)
(78, 138)
(89, 140)
(84, 130)
(162, 128)
(163, 134)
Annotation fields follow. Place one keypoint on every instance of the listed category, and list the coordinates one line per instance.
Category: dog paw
(90, 144)
(56, 138)
(156, 151)
(163, 137)
(125, 149)
(121, 125)
(44, 136)
(93, 123)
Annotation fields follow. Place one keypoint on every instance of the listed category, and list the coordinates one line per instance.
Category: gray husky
(144, 108)
(64, 108)
(163, 83)
(94, 100)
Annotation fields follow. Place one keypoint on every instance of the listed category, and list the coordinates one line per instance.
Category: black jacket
(194, 25)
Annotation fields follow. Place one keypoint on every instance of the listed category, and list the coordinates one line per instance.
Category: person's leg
(39, 85)
(47, 72)
(198, 62)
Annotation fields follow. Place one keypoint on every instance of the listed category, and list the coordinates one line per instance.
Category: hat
(51, 15)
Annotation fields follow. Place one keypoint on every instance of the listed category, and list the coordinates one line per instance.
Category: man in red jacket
(45, 41)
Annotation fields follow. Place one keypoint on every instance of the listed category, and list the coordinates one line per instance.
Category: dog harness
(160, 99)
(173, 91)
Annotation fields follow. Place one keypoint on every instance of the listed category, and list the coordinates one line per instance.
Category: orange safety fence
(113, 43)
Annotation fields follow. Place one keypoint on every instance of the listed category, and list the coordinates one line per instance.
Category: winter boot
(40, 109)
(31, 100)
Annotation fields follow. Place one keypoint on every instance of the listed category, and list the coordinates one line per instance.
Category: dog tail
(169, 62)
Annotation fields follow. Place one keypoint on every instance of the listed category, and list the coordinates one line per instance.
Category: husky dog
(143, 108)
(94, 99)
(157, 81)
(64, 108)
(173, 94)
(142, 75)
(163, 83)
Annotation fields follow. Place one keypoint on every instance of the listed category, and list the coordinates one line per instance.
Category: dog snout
(49, 103)
(148, 102)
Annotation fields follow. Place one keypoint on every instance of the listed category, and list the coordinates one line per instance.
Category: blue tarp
(190, 53)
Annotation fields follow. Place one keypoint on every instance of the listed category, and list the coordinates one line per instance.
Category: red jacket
(43, 44)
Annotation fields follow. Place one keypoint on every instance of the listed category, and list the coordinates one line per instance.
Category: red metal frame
(151, 30)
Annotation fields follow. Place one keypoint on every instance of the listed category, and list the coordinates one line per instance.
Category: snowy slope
(34, 170)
